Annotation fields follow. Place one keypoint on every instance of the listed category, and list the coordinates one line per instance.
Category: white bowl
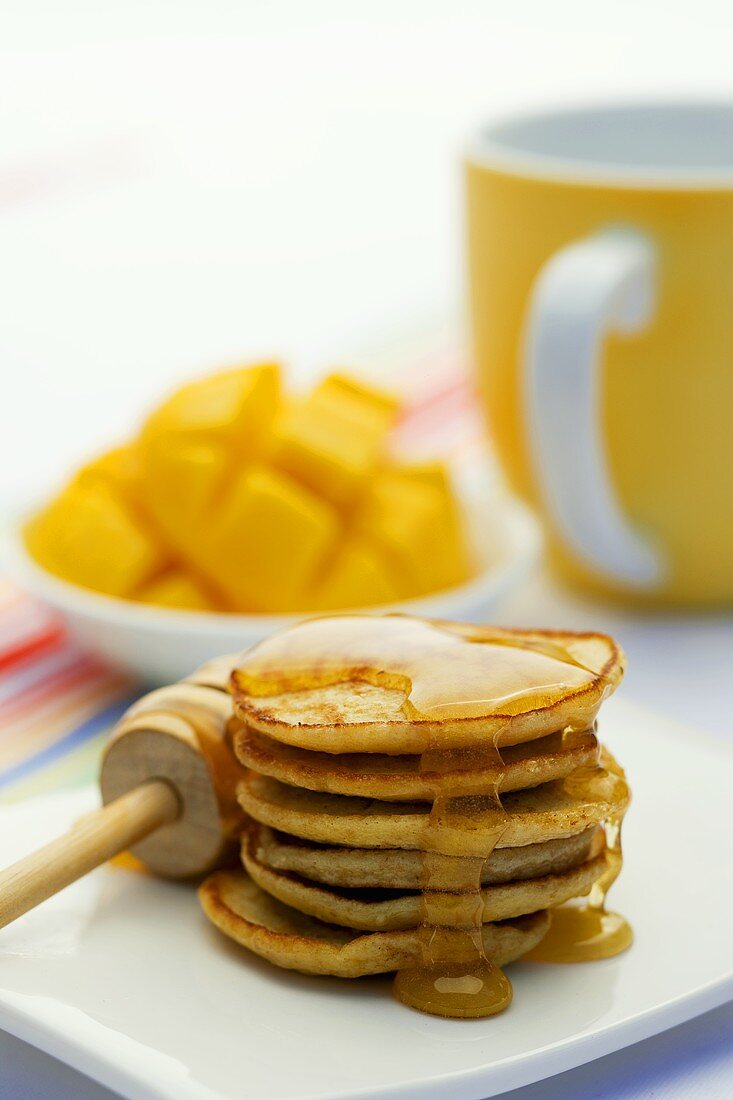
(161, 645)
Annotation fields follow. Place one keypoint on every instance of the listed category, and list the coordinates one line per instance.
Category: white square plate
(151, 1001)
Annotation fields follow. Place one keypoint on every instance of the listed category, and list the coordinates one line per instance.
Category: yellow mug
(601, 269)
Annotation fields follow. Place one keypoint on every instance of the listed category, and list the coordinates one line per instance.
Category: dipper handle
(97, 837)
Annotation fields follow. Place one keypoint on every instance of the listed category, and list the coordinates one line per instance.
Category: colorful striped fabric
(57, 702)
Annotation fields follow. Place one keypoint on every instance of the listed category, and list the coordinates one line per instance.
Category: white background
(184, 183)
(187, 183)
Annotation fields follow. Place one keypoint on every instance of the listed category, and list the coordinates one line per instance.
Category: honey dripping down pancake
(589, 932)
(447, 674)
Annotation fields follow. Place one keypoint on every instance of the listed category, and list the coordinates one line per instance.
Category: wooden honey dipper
(168, 780)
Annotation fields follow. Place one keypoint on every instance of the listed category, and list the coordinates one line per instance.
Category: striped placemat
(58, 702)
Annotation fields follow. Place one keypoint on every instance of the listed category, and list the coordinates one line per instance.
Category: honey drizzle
(445, 675)
(588, 932)
(454, 977)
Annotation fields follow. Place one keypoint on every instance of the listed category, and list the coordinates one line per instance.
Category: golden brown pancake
(541, 813)
(401, 868)
(359, 715)
(390, 910)
(245, 913)
(400, 778)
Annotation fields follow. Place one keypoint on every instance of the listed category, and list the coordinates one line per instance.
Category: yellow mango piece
(178, 589)
(359, 576)
(325, 453)
(454, 564)
(183, 478)
(424, 473)
(355, 400)
(268, 540)
(119, 469)
(89, 536)
(332, 440)
(411, 513)
(234, 408)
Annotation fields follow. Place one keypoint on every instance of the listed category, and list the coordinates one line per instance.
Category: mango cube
(451, 562)
(358, 402)
(89, 536)
(359, 576)
(195, 444)
(119, 469)
(267, 541)
(183, 478)
(235, 408)
(333, 440)
(176, 589)
(411, 514)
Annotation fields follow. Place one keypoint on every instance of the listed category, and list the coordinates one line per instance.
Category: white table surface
(689, 1062)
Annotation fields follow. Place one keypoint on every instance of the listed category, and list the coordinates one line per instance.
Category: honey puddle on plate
(446, 677)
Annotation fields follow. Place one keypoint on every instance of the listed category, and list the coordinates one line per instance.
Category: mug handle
(596, 285)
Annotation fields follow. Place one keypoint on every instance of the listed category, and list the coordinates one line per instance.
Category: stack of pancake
(338, 723)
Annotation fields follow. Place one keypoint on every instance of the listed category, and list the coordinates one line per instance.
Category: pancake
(374, 910)
(248, 915)
(368, 713)
(402, 869)
(541, 813)
(400, 778)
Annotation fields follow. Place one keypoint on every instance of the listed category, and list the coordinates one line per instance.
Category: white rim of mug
(485, 150)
